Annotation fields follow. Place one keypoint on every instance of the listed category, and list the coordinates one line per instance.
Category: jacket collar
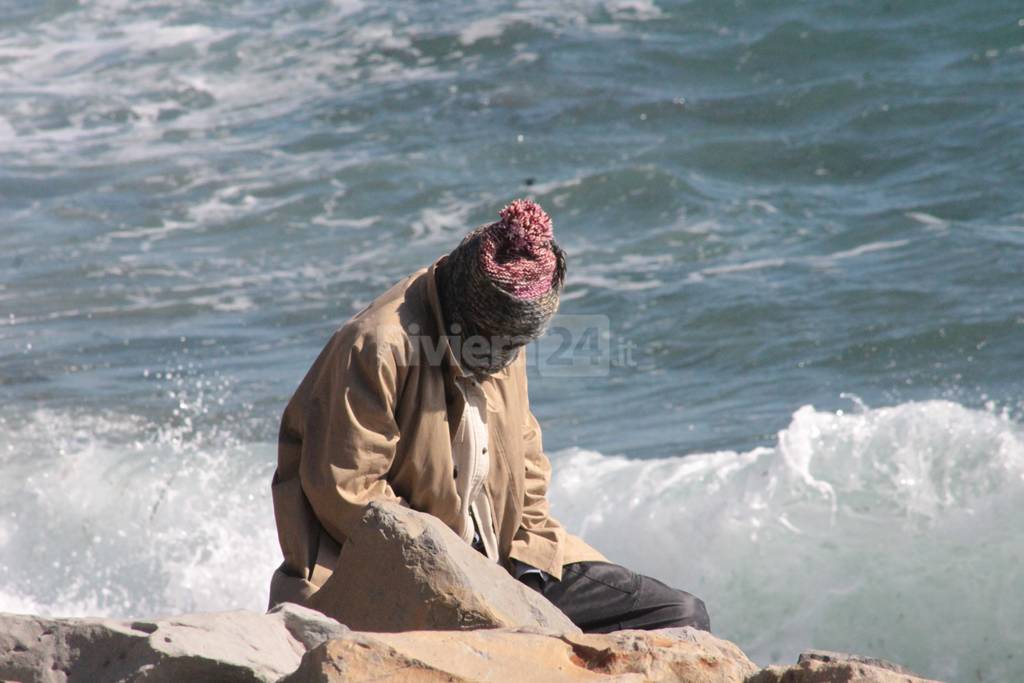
(434, 304)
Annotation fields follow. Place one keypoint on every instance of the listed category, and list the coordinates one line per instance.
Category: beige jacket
(374, 419)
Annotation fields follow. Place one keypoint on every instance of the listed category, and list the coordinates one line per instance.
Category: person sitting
(421, 398)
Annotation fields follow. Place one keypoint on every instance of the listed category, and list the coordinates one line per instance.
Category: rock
(297, 645)
(226, 646)
(502, 655)
(820, 666)
(431, 609)
(827, 656)
(403, 570)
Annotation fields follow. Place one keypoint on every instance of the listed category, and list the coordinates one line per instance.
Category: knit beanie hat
(503, 280)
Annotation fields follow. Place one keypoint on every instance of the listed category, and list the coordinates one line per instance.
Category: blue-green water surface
(771, 206)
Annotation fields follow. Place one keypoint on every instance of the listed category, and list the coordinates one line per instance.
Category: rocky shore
(419, 606)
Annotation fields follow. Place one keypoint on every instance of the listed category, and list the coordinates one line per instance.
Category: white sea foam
(450, 217)
(890, 531)
(928, 220)
(760, 264)
(489, 27)
(767, 207)
(102, 515)
(868, 248)
(635, 10)
(580, 15)
(61, 51)
(381, 36)
(825, 261)
(617, 284)
(618, 275)
(350, 223)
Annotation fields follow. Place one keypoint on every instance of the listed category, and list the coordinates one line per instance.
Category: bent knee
(691, 611)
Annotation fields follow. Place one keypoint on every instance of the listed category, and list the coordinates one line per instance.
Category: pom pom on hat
(528, 226)
(517, 253)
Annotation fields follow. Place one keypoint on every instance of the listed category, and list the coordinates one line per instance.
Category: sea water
(798, 230)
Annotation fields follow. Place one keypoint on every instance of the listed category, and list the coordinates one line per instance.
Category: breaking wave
(891, 531)
(888, 531)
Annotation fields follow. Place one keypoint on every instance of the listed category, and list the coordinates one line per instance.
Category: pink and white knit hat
(505, 278)
(516, 252)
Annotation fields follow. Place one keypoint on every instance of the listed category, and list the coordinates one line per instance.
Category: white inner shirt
(472, 464)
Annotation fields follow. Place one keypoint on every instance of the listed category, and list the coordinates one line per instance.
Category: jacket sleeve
(540, 540)
(350, 433)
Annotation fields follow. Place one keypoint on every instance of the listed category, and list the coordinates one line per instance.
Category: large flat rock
(298, 645)
(502, 655)
(225, 646)
(404, 570)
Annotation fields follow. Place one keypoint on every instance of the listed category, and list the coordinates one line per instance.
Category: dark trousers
(601, 597)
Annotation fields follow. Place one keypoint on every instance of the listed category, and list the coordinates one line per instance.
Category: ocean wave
(885, 531)
(855, 531)
(110, 515)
